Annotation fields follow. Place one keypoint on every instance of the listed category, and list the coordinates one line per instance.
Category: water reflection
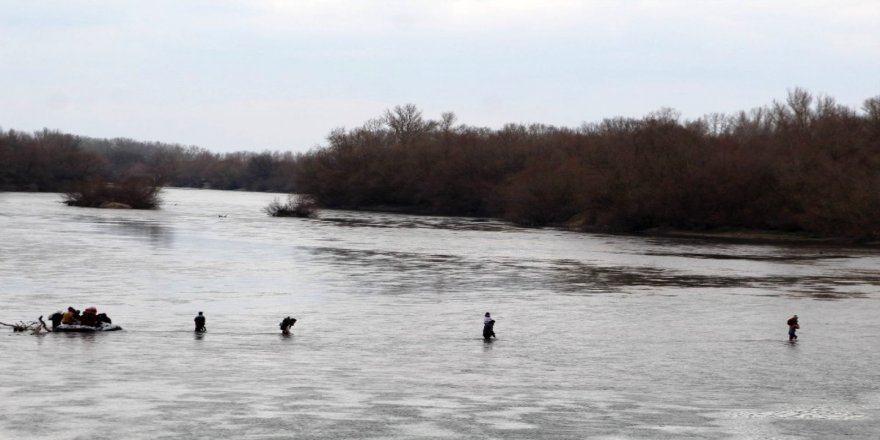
(86, 339)
(154, 232)
(409, 270)
(377, 220)
(790, 258)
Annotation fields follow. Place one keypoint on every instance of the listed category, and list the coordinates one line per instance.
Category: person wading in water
(286, 324)
(200, 322)
(488, 327)
(792, 327)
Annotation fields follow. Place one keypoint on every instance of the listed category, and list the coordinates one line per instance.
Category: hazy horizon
(273, 75)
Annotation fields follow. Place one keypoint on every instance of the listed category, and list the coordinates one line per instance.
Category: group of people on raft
(88, 318)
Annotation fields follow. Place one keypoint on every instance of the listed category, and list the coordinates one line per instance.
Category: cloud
(540, 15)
(251, 124)
(186, 70)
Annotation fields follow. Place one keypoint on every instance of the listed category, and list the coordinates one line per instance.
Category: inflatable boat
(73, 328)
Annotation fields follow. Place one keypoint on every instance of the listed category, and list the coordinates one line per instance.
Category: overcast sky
(279, 75)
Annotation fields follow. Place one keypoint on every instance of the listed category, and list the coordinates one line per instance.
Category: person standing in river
(200, 322)
(286, 324)
(792, 327)
(488, 327)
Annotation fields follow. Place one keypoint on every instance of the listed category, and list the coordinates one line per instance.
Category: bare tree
(407, 123)
(447, 120)
(872, 108)
(800, 102)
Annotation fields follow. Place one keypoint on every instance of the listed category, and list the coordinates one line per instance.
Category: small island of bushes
(296, 206)
(130, 193)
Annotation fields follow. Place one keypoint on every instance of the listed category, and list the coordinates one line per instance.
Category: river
(599, 336)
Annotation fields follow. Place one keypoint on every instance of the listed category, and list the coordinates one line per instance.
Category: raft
(68, 328)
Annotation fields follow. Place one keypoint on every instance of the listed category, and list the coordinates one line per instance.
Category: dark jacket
(489, 329)
(88, 319)
(56, 319)
(287, 323)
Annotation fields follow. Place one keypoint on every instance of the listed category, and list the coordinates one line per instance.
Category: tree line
(805, 164)
(53, 161)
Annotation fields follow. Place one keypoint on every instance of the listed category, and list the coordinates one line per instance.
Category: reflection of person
(200, 322)
(488, 327)
(286, 324)
(792, 327)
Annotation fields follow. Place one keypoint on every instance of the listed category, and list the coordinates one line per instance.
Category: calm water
(598, 336)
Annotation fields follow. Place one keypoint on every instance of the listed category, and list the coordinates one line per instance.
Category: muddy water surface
(598, 336)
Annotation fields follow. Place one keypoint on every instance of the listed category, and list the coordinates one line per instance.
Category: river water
(599, 336)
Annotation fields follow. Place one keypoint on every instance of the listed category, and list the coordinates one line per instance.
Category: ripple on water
(817, 413)
(600, 336)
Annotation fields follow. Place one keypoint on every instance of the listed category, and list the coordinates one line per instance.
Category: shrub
(303, 206)
(133, 192)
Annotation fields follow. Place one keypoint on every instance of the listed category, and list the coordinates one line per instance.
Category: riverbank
(721, 234)
(734, 235)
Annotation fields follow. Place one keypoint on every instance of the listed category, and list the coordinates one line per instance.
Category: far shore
(730, 235)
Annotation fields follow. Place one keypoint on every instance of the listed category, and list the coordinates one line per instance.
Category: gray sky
(279, 75)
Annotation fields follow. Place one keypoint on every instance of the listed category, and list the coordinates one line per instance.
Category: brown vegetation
(302, 206)
(52, 161)
(36, 327)
(44, 161)
(133, 192)
(806, 165)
